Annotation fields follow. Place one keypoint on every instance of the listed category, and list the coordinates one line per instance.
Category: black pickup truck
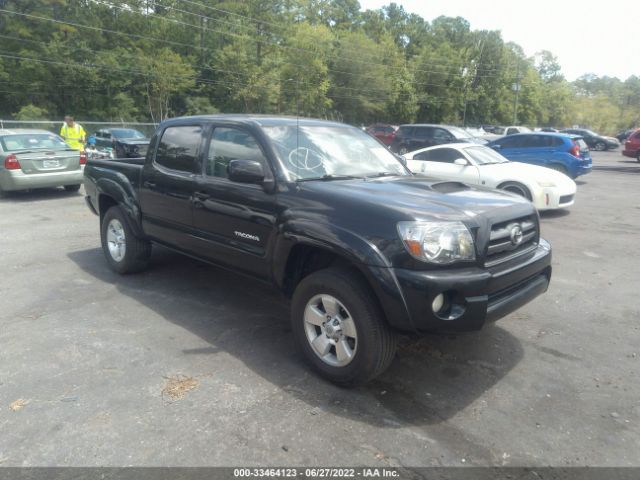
(361, 246)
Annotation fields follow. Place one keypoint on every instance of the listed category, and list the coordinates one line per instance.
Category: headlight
(546, 184)
(437, 242)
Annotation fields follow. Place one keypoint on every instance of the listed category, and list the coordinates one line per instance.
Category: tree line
(146, 60)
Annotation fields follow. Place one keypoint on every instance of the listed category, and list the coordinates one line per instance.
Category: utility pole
(516, 88)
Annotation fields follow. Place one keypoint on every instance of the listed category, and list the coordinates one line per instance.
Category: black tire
(637, 158)
(600, 146)
(517, 188)
(72, 188)
(559, 168)
(376, 342)
(137, 251)
(403, 150)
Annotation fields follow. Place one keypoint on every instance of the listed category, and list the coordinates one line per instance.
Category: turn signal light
(11, 163)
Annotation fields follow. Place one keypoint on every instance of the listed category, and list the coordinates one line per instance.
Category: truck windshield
(326, 152)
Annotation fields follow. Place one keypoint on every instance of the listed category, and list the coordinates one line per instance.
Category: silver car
(37, 159)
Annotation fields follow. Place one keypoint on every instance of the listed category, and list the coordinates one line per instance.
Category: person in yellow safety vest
(73, 133)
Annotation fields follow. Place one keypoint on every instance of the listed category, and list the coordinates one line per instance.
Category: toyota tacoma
(363, 248)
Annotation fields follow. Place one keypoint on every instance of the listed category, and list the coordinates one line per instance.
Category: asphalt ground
(190, 365)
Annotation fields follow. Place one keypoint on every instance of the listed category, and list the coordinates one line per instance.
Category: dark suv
(414, 137)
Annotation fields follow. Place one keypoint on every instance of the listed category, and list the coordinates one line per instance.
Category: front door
(235, 222)
(440, 164)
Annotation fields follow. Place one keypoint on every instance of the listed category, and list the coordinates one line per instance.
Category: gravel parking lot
(190, 365)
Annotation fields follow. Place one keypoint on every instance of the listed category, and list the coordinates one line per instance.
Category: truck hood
(418, 198)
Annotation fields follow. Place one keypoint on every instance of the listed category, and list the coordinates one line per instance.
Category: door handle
(149, 184)
(201, 196)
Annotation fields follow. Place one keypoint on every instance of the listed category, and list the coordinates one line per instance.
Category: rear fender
(121, 191)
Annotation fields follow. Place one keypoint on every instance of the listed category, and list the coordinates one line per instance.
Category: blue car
(565, 153)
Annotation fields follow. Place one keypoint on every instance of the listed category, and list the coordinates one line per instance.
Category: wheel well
(516, 184)
(305, 259)
(105, 202)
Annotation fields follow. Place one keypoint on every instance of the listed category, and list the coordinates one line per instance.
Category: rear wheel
(600, 146)
(339, 327)
(637, 158)
(403, 150)
(72, 188)
(517, 188)
(125, 252)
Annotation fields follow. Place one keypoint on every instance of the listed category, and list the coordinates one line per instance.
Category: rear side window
(423, 132)
(178, 148)
(231, 144)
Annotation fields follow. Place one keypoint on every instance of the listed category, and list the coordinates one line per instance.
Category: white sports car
(479, 165)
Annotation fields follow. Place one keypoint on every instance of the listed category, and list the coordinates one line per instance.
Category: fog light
(437, 303)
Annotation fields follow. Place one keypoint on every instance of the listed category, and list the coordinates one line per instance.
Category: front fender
(358, 251)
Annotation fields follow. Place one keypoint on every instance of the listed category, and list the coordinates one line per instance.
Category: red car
(383, 132)
(632, 146)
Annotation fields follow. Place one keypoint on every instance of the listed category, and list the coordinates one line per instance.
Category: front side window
(231, 144)
(178, 148)
(441, 135)
(445, 155)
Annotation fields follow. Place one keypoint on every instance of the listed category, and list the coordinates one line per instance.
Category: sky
(587, 37)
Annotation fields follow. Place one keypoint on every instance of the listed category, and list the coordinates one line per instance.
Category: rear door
(168, 180)
(234, 221)
(538, 149)
(422, 137)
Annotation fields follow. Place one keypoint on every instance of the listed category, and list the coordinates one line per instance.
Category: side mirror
(245, 171)
(461, 161)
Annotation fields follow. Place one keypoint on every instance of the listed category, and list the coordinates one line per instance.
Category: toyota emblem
(516, 234)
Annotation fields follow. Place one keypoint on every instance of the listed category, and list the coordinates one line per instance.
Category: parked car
(413, 137)
(568, 154)
(38, 159)
(632, 145)
(479, 165)
(625, 134)
(549, 130)
(122, 142)
(512, 130)
(593, 140)
(334, 220)
(383, 132)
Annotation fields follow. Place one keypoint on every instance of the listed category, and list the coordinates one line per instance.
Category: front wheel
(125, 252)
(339, 327)
(517, 188)
(600, 146)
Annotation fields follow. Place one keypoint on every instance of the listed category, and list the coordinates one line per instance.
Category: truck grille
(511, 239)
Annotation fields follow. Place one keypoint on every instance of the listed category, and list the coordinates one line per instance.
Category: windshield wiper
(329, 177)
